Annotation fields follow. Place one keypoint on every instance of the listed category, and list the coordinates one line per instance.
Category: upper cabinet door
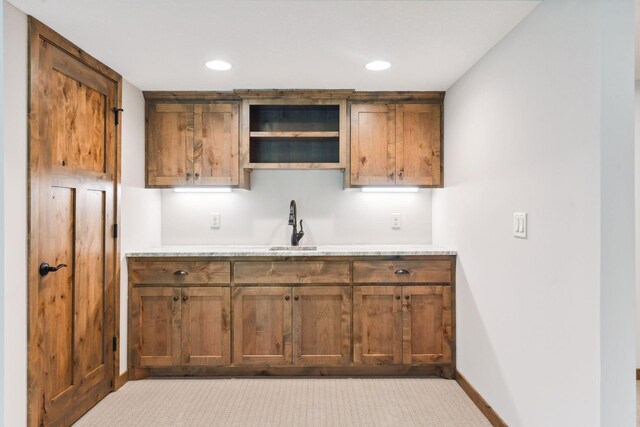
(169, 144)
(418, 144)
(373, 146)
(215, 148)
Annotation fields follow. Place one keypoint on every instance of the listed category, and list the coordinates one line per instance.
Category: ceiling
(163, 44)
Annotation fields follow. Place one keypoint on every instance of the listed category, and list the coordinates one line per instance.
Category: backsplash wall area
(330, 214)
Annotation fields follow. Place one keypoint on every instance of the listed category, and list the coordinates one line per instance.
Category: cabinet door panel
(216, 144)
(427, 319)
(418, 140)
(322, 325)
(377, 325)
(205, 326)
(156, 325)
(169, 144)
(262, 326)
(373, 144)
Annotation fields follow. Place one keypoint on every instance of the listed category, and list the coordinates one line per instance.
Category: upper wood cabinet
(396, 144)
(192, 143)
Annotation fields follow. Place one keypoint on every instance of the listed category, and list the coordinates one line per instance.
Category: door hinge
(115, 231)
(116, 112)
(115, 343)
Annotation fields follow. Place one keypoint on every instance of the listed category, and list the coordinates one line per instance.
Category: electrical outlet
(395, 221)
(215, 220)
(520, 225)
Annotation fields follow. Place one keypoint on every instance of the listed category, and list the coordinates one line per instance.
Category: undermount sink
(293, 248)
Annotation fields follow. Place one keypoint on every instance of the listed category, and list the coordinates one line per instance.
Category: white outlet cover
(215, 220)
(520, 225)
(396, 222)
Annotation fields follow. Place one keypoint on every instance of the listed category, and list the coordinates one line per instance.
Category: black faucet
(293, 216)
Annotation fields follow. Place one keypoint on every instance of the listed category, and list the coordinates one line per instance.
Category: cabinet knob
(196, 176)
(181, 273)
(397, 296)
(401, 174)
(402, 271)
(391, 176)
(184, 298)
(287, 297)
(407, 297)
(188, 176)
(176, 298)
(296, 298)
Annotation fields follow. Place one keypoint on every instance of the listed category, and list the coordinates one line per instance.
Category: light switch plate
(520, 225)
(215, 220)
(396, 221)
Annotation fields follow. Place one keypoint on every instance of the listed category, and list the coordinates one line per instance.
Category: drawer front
(180, 273)
(402, 272)
(280, 272)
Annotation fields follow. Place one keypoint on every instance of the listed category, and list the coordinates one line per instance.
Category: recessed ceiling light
(218, 65)
(378, 65)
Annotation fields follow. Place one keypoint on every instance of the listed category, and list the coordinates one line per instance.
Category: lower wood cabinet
(283, 325)
(402, 325)
(180, 326)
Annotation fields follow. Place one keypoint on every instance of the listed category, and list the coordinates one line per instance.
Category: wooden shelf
(295, 134)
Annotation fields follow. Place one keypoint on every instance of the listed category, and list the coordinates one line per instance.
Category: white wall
(524, 132)
(15, 214)
(330, 214)
(140, 208)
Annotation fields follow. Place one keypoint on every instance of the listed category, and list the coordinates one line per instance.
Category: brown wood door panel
(418, 144)
(73, 170)
(215, 152)
(173, 273)
(206, 326)
(285, 272)
(262, 326)
(373, 128)
(426, 324)
(322, 325)
(156, 325)
(377, 325)
(402, 271)
(169, 154)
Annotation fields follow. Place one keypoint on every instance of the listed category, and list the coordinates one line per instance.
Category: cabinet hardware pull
(176, 298)
(391, 176)
(286, 297)
(407, 297)
(401, 174)
(197, 175)
(180, 273)
(184, 298)
(402, 271)
(188, 177)
(397, 296)
(296, 298)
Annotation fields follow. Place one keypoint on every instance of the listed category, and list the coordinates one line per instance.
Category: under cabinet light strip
(389, 189)
(202, 189)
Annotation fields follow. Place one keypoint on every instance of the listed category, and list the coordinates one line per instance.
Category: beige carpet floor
(299, 402)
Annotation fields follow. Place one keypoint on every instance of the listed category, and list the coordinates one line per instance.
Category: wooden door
(155, 322)
(215, 152)
(373, 147)
(74, 172)
(426, 324)
(205, 326)
(322, 325)
(377, 325)
(418, 144)
(262, 326)
(169, 150)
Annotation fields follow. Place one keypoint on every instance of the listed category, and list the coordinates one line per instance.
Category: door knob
(45, 268)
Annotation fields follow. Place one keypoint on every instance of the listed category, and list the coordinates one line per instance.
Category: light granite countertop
(266, 250)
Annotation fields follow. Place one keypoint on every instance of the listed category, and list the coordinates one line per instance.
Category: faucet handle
(301, 229)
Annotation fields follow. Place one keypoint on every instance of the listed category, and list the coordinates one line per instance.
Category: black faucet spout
(293, 220)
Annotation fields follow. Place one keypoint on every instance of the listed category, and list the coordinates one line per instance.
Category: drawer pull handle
(402, 271)
(180, 273)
